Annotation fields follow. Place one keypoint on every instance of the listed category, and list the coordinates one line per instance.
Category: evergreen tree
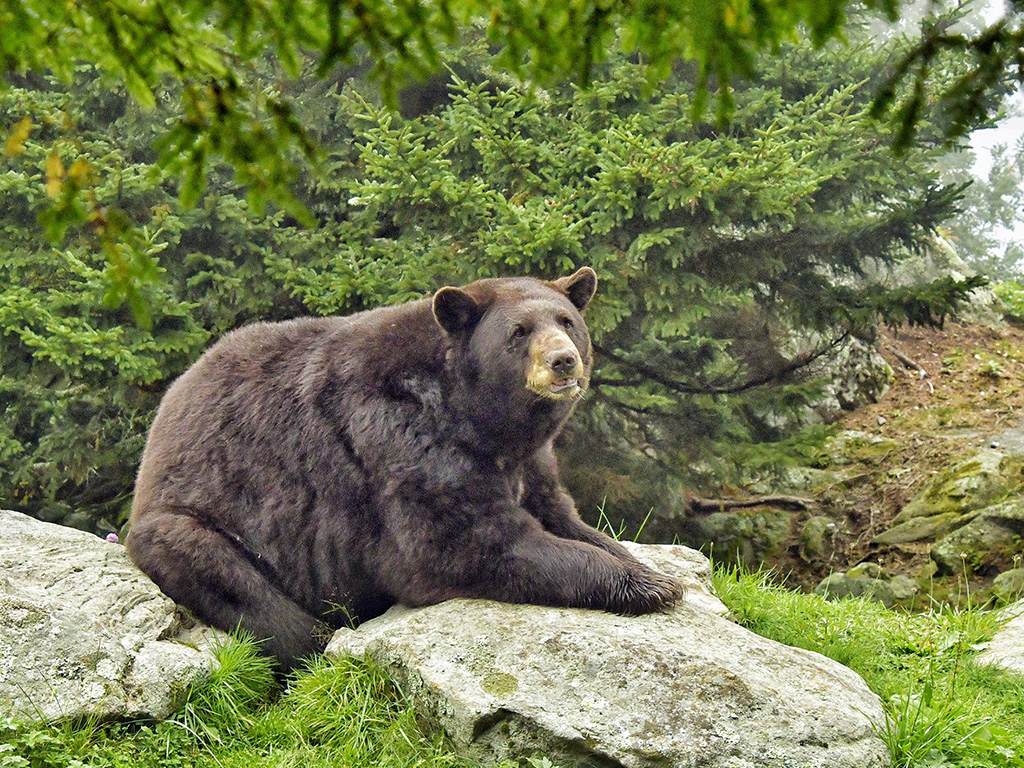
(714, 246)
(206, 48)
(79, 380)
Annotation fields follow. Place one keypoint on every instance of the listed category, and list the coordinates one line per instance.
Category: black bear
(309, 474)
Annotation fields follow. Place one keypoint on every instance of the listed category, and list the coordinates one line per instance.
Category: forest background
(732, 254)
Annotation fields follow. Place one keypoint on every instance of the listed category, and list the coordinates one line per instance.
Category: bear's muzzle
(556, 368)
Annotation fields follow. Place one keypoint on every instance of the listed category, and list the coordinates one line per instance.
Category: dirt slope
(956, 390)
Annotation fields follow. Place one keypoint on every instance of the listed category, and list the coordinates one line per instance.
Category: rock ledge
(686, 688)
(83, 632)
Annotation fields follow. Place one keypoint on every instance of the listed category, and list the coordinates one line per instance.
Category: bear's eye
(518, 333)
(567, 323)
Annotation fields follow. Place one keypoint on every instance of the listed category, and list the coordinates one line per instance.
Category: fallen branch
(697, 504)
(908, 362)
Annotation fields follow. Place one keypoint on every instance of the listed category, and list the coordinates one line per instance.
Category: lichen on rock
(954, 496)
(990, 539)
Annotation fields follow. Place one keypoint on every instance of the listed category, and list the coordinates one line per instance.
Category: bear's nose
(562, 362)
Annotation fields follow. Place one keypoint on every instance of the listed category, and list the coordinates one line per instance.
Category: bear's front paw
(647, 591)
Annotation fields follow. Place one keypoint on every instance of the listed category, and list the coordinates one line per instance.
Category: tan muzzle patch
(556, 366)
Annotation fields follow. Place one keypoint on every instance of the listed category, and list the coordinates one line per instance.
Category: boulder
(746, 537)
(953, 497)
(853, 375)
(1006, 649)
(1008, 586)
(990, 539)
(816, 537)
(83, 632)
(871, 581)
(925, 528)
(683, 688)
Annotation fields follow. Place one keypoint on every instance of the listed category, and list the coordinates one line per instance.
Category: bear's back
(215, 418)
(237, 423)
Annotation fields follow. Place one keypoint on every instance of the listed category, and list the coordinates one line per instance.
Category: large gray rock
(853, 375)
(1006, 649)
(685, 688)
(82, 631)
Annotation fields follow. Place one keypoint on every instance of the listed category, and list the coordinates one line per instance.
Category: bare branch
(653, 374)
(907, 361)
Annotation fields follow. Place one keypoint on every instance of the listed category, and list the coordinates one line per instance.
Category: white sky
(1006, 133)
(1009, 129)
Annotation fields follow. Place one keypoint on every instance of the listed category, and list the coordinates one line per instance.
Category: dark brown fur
(310, 474)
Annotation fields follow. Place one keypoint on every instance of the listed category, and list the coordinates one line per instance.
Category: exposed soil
(956, 390)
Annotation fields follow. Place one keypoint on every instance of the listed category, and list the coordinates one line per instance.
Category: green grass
(941, 708)
(333, 715)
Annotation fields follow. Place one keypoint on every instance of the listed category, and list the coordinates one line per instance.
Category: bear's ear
(455, 310)
(579, 286)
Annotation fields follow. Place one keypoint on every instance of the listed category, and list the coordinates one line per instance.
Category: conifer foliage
(714, 247)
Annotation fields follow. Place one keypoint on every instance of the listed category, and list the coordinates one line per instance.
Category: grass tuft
(941, 709)
(919, 730)
(240, 685)
(340, 713)
(350, 707)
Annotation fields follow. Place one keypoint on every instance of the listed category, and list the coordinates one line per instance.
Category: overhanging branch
(653, 374)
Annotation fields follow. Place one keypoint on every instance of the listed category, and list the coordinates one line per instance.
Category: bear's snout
(562, 362)
(556, 369)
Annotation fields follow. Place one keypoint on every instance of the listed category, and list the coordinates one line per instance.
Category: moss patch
(853, 447)
(500, 684)
(982, 480)
(927, 528)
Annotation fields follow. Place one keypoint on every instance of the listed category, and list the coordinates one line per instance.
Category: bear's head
(521, 340)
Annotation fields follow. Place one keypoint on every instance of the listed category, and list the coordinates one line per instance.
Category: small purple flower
(112, 538)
